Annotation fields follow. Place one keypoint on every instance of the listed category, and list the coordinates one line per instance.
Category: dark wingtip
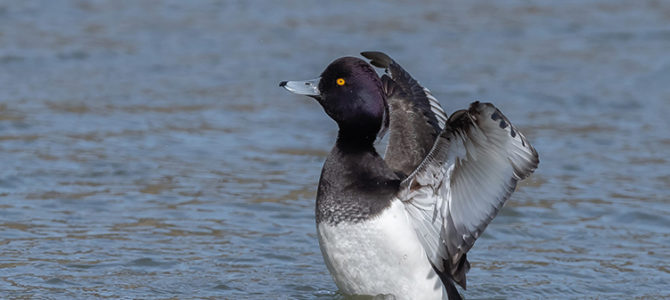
(378, 59)
(283, 83)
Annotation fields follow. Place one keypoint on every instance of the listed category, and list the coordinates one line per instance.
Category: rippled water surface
(147, 152)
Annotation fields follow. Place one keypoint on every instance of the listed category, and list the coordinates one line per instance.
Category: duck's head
(350, 92)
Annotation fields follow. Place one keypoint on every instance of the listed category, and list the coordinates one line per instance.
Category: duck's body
(364, 231)
(402, 225)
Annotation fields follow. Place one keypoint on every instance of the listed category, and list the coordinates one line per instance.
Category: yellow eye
(340, 81)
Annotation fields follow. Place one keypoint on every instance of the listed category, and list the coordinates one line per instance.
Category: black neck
(356, 140)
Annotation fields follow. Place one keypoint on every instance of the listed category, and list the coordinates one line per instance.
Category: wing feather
(460, 186)
(416, 117)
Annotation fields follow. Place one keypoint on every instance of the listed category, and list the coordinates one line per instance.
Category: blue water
(147, 152)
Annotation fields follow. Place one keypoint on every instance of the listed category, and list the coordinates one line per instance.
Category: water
(147, 151)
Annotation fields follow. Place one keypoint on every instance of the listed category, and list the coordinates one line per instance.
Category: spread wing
(471, 170)
(416, 117)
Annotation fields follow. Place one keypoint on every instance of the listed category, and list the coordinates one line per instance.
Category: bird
(400, 225)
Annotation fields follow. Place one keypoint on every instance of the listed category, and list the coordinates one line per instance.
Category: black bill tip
(283, 83)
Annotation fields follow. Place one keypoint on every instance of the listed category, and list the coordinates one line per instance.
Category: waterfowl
(402, 224)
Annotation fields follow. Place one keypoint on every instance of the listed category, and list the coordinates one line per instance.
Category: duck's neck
(352, 140)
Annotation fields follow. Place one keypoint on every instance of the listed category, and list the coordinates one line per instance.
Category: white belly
(379, 256)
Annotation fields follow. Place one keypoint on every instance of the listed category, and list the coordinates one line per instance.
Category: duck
(400, 225)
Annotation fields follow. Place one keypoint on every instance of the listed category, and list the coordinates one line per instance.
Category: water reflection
(147, 151)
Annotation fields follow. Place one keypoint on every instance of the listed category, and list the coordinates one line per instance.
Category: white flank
(380, 256)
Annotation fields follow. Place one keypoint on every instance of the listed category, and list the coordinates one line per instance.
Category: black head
(350, 92)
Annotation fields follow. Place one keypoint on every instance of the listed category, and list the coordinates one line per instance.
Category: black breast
(355, 184)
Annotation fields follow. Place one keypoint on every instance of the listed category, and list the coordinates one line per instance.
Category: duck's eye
(340, 81)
